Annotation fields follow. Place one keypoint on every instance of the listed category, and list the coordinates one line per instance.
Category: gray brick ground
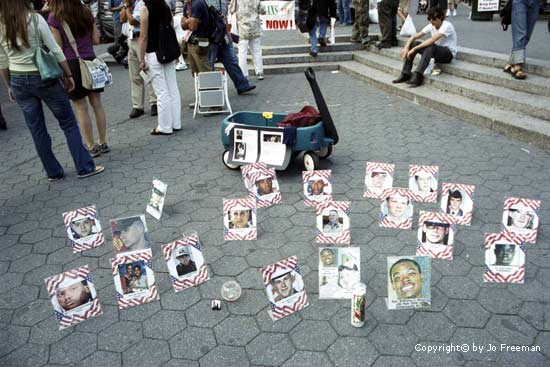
(236, 330)
(73, 348)
(352, 352)
(225, 356)
(313, 335)
(148, 351)
(280, 348)
(192, 343)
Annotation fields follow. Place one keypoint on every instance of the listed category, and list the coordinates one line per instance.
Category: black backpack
(216, 24)
(506, 15)
(168, 48)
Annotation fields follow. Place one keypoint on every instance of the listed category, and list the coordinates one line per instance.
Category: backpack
(506, 15)
(216, 24)
(168, 47)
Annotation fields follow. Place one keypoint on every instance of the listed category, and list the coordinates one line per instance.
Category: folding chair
(211, 93)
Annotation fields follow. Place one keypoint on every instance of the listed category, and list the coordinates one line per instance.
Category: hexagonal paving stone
(164, 324)
(515, 358)
(393, 340)
(320, 309)
(12, 337)
(118, 337)
(499, 300)
(350, 352)
(307, 358)
(229, 265)
(511, 330)
(466, 313)
(30, 355)
(379, 310)
(481, 339)
(225, 356)
(431, 326)
(181, 300)
(262, 257)
(180, 363)
(202, 315)
(341, 322)
(283, 325)
(280, 349)
(148, 352)
(10, 281)
(251, 278)
(543, 340)
(102, 358)
(141, 312)
(537, 314)
(458, 287)
(440, 358)
(33, 313)
(313, 335)
(18, 297)
(393, 361)
(236, 330)
(250, 303)
(73, 348)
(192, 343)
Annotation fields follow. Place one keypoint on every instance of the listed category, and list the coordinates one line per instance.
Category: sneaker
(313, 53)
(97, 170)
(322, 42)
(454, 13)
(192, 106)
(154, 110)
(260, 76)
(136, 112)
(103, 148)
(95, 151)
(181, 66)
(56, 178)
(247, 89)
(448, 13)
(436, 71)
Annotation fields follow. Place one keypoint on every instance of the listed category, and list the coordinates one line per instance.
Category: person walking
(78, 20)
(250, 33)
(21, 32)
(524, 18)
(320, 12)
(154, 15)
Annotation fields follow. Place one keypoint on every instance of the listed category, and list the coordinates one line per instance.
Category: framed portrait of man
(284, 286)
(504, 258)
(436, 233)
(521, 218)
(239, 219)
(409, 282)
(423, 182)
(339, 271)
(262, 184)
(185, 263)
(156, 201)
(458, 201)
(83, 228)
(396, 208)
(317, 186)
(333, 222)
(130, 234)
(378, 177)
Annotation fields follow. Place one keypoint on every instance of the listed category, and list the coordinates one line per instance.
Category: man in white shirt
(441, 47)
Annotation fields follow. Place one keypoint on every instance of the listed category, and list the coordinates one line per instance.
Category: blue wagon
(314, 142)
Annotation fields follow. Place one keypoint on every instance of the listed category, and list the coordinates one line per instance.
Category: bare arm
(426, 43)
(144, 28)
(95, 36)
(409, 42)
(57, 36)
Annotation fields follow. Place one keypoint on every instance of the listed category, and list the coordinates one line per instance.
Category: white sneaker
(436, 71)
(181, 66)
(260, 76)
(454, 13)
(448, 13)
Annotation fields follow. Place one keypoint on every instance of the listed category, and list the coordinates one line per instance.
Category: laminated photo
(333, 224)
(156, 202)
(239, 219)
(73, 297)
(339, 271)
(458, 201)
(423, 181)
(317, 187)
(396, 208)
(185, 263)
(284, 287)
(409, 282)
(134, 279)
(436, 233)
(261, 183)
(521, 218)
(378, 177)
(129, 234)
(504, 259)
(83, 229)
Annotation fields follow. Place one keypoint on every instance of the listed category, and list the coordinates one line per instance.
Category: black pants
(441, 55)
(387, 12)
(2, 121)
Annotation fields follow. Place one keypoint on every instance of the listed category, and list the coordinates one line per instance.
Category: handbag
(45, 61)
(95, 73)
(506, 15)
(168, 46)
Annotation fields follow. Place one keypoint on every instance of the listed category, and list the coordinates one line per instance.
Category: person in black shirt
(186, 265)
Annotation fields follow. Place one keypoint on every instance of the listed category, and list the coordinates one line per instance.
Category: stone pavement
(180, 329)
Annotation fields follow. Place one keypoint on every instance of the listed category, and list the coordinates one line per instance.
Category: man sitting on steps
(441, 47)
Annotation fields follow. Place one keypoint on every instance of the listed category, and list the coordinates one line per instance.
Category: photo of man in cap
(185, 265)
(283, 286)
(157, 198)
(332, 222)
(74, 295)
(129, 234)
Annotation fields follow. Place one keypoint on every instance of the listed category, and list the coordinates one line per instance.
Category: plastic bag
(408, 28)
(332, 38)
(373, 16)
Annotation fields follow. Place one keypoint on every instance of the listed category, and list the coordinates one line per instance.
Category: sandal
(156, 132)
(98, 169)
(508, 69)
(516, 72)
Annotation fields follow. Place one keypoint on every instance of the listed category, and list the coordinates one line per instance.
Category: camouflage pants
(361, 24)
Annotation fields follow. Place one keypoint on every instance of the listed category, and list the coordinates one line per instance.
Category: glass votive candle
(231, 291)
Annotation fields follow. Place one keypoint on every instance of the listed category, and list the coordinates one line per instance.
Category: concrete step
(534, 84)
(516, 125)
(291, 68)
(306, 57)
(301, 49)
(526, 103)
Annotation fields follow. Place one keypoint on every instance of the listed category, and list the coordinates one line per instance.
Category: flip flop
(98, 169)
(516, 74)
(508, 69)
(156, 132)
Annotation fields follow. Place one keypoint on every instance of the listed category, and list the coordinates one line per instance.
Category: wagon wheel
(311, 161)
(325, 152)
(225, 159)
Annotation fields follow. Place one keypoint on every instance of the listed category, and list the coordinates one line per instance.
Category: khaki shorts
(404, 5)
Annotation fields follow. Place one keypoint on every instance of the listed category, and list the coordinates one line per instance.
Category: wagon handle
(310, 74)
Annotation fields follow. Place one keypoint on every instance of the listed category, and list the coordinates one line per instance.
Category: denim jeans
(29, 92)
(344, 12)
(227, 56)
(524, 17)
(322, 24)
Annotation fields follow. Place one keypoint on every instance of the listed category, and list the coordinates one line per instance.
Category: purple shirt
(84, 44)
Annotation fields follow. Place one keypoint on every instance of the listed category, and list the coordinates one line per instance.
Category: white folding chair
(211, 93)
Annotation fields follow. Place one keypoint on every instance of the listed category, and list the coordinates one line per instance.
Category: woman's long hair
(13, 16)
(78, 16)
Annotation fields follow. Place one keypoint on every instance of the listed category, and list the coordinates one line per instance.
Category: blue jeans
(322, 24)
(343, 11)
(29, 92)
(227, 56)
(524, 17)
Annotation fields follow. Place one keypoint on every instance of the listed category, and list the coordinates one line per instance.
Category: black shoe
(136, 112)
(402, 78)
(154, 110)
(381, 45)
(313, 54)
(3, 125)
(322, 42)
(368, 39)
(354, 40)
(394, 43)
(246, 90)
(416, 80)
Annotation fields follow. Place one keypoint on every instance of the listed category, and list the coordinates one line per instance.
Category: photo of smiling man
(408, 282)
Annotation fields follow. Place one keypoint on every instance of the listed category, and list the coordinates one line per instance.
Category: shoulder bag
(45, 61)
(95, 73)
